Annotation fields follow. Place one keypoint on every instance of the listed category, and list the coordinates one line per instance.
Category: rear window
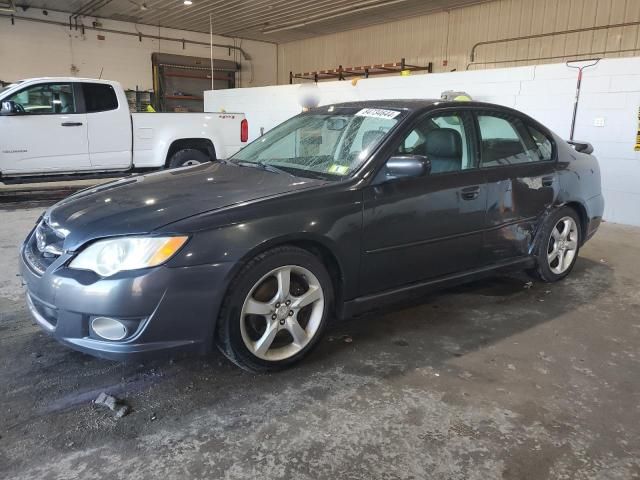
(99, 97)
(507, 140)
(543, 143)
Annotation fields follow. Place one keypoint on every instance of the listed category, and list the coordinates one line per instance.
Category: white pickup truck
(74, 126)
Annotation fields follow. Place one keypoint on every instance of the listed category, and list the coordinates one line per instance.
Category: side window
(46, 98)
(444, 140)
(99, 97)
(543, 144)
(505, 141)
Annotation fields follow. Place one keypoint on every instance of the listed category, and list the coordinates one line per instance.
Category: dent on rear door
(518, 197)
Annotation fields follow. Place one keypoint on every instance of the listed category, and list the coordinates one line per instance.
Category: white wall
(29, 49)
(611, 91)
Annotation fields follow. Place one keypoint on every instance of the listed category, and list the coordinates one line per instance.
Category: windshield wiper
(264, 166)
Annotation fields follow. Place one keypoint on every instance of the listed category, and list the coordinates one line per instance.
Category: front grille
(43, 248)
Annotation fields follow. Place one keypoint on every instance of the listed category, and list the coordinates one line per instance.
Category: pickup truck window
(99, 97)
(322, 145)
(46, 98)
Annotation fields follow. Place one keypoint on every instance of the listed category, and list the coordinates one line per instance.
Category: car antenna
(101, 70)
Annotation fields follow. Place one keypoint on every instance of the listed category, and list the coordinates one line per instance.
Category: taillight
(244, 130)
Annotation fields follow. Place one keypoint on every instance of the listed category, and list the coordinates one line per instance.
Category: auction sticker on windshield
(377, 113)
(338, 169)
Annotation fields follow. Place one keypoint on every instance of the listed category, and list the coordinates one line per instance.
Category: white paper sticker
(377, 113)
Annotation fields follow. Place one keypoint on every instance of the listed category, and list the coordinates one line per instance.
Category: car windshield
(328, 143)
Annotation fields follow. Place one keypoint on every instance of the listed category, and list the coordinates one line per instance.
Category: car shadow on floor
(48, 385)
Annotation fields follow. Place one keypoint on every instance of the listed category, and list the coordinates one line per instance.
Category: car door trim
(450, 237)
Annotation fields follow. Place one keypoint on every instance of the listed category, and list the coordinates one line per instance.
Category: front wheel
(276, 310)
(559, 245)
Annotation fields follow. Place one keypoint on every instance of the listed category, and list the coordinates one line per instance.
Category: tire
(556, 255)
(258, 324)
(187, 157)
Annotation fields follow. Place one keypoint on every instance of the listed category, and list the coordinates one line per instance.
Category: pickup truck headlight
(110, 256)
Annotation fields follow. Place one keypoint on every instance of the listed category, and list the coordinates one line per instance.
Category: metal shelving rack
(343, 73)
(179, 81)
(192, 74)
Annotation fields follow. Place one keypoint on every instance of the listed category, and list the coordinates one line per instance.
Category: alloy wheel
(282, 313)
(563, 245)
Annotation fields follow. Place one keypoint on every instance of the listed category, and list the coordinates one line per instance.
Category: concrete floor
(489, 380)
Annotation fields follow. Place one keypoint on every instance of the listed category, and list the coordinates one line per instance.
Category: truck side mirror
(9, 107)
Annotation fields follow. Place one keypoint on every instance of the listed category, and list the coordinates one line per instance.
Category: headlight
(107, 257)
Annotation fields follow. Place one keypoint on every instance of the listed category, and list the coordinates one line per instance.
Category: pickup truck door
(110, 137)
(48, 134)
(421, 228)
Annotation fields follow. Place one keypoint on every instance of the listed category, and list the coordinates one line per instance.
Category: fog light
(108, 328)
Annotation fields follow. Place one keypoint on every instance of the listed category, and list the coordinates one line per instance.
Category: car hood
(145, 203)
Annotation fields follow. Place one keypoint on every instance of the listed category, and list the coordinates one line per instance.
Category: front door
(422, 228)
(518, 159)
(48, 135)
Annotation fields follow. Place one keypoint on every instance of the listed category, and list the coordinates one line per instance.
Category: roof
(66, 79)
(404, 104)
(413, 104)
(416, 104)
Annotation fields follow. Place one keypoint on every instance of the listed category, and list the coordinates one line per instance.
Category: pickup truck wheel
(276, 310)
(188, 157)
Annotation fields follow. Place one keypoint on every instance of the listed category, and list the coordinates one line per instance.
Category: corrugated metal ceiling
(276, 21)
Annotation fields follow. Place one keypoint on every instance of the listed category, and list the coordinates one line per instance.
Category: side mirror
(9, 108)
(402, 166)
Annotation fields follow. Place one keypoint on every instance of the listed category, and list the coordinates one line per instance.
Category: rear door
(518, 159)
(426, 227)
(110, 137)
(50, 135)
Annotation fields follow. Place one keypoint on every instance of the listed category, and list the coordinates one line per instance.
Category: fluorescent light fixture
(188, 2)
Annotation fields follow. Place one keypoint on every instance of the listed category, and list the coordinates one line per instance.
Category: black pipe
(555, 57)
(133, 34)
(541, 35)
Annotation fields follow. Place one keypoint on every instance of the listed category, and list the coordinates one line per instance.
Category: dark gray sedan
(337, 211)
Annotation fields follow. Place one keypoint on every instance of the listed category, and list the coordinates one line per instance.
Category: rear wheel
(276, 310)
(559, 245)
(188, 157)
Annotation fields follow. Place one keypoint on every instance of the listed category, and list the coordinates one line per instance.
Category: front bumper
(174, 309)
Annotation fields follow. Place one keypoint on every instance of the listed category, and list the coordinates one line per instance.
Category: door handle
(547, 181)
(71, 124)
(470, 193)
